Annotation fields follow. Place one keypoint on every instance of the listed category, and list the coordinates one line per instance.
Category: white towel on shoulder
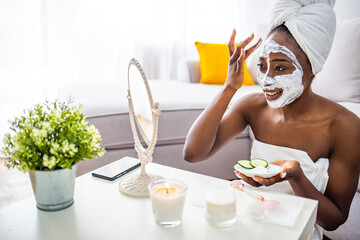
(311, 22)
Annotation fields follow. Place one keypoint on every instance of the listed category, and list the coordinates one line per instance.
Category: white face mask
(291, 84)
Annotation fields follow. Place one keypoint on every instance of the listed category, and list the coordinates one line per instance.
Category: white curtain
(46, 44)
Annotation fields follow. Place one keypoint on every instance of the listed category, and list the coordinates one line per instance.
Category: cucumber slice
(245, 164)
(258, 162)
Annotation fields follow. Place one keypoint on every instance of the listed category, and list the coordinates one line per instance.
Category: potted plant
(48, 141)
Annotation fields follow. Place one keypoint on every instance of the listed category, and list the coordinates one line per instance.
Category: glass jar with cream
(221, 208)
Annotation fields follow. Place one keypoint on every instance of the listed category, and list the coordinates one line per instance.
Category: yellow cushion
(214, 61)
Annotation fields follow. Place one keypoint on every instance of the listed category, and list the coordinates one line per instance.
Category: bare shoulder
(340, 116)
(346, 127)
(344, 122)
(344, 130)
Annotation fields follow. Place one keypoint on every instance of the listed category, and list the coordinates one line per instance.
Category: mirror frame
(154, 110)
(136, 185)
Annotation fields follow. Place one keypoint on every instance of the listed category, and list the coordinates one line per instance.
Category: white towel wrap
(311, 22)
(316, 172)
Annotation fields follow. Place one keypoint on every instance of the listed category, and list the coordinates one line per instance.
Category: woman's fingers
(244, 43)
(290, 168)
(253, 48)
(241, 58)
(268, 181)
(236, 54)
(231, 44)
(247, 179)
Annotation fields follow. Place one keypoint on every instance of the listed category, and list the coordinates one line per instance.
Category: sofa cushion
(188, 70)
(214, 60)
(106, 106)
(340, 78)
(354, 107)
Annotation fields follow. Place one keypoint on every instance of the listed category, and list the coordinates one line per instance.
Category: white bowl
(268, 172)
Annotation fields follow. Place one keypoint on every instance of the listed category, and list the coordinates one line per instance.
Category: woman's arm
(344, 169)
(211, 130)
(344, 166)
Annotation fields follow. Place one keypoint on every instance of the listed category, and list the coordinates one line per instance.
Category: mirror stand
(136, 185)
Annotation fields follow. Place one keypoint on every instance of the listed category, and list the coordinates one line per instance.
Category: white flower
(24, 167)
(38, 135)
(73, 149)
(49, 162)
(46, 126)
(54, 148)
(55, 117)
(16, 147)
(65, 146)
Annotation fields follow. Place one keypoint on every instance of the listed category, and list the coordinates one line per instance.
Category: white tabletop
(100, 211)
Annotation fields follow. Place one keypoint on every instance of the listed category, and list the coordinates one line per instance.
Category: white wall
(254, 12)
(346, 9)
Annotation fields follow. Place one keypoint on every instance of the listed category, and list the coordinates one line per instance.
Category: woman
(313, 139)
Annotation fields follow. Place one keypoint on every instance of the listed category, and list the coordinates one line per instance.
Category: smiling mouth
(273, 94)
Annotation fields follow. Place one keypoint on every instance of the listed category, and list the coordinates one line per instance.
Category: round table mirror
(141, 101)
(144, 114)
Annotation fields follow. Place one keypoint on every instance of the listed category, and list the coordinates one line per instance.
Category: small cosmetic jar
(220, 208)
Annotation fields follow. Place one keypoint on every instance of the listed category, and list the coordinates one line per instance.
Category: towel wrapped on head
(312, 23)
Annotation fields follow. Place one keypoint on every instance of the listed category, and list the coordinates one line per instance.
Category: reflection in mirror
(142, 105)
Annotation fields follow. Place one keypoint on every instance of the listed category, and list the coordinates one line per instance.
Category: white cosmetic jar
(220, 208)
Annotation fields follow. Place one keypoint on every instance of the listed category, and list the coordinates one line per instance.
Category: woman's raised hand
(235, 76)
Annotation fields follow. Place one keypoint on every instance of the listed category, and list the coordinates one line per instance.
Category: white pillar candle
(168, 197)
(221, 208)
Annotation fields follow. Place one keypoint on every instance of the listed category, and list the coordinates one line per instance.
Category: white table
(100, 211)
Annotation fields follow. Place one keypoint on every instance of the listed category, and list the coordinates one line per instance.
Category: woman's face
(280, 74)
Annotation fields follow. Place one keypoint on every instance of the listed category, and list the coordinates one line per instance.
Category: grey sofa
(181, 101)
(180, 104)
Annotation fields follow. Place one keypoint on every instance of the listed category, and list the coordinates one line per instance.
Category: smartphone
(116, 169)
